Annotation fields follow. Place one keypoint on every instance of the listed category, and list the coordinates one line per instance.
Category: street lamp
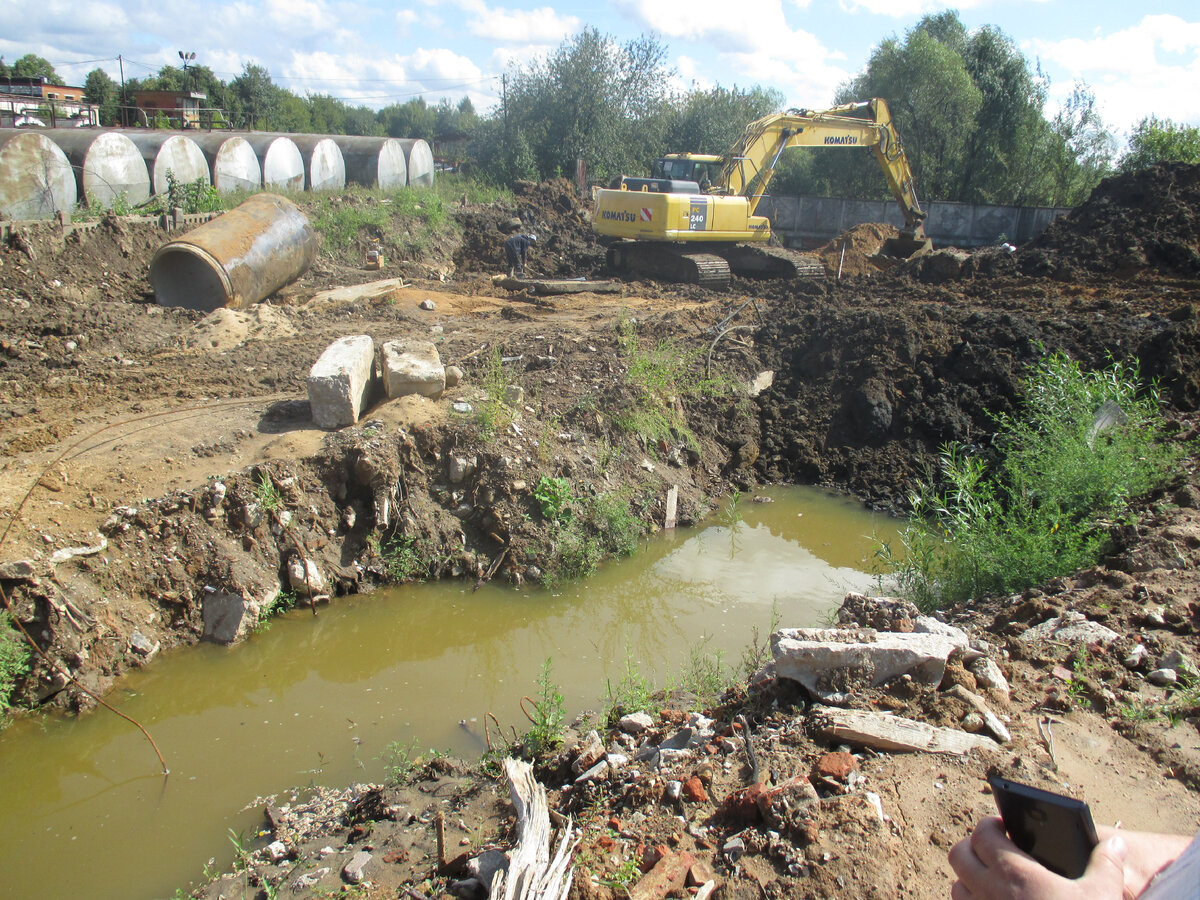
(187, 58)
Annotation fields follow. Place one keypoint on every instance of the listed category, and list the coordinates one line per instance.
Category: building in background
(32, 101)
(181, 108)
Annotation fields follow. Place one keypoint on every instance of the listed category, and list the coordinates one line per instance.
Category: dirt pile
(859, 244)
(567, 247)
(1144, 221)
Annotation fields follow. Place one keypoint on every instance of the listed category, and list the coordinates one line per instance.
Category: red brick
(668, 874)
(693, 789)
(742, 805)
(835, 765)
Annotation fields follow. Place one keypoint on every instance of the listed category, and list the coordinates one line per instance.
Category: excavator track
(665, 262)
(758, 261)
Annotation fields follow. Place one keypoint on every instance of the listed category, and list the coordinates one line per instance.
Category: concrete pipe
(232, 161)
(107, 165)
(373, 161)
(282, 164)
(419, 160)
(324, 168)
(237, 258)
(36, 180)
(166, 152)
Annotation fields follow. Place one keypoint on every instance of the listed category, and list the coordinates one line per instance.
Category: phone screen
(1055, 830)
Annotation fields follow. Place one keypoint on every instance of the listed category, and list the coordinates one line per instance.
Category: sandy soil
(121, 418)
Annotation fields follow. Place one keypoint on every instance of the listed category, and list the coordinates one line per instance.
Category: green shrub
(341, 224)
(1082, 448)
(631, 694)
(554, 496)
(548, 712)
(603, 525)
(14, 658)
(495, 414)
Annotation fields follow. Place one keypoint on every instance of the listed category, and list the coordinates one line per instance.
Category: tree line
(968, 104)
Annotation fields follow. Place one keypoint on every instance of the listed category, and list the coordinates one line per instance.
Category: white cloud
(900, 9)
(504, 57)
(762, 48)
(405, 19)
(1132, 71)
(543, 25)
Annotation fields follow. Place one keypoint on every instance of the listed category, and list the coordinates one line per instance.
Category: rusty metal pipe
(238, 258)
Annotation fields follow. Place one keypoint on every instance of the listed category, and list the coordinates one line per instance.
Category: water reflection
(321, 698)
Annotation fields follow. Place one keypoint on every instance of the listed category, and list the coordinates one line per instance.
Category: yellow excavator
(693, 220)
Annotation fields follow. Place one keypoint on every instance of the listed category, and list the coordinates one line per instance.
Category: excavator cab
(702, 168)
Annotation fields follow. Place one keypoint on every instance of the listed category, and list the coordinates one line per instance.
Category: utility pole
(124, 99)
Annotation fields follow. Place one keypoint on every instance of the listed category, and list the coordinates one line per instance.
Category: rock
(354, 870)
(780, 805)
(668, 874)
(617, 761)
(972, 723)
(412, 367)
(598, 772)
(1163, 677)
(427, 305)
(591, 751)
(680, 739)
(988, 675)
(454, 376)
(734, 849)
(831, 663)
(742, 805)
(876, 804)
(673, 790)
(1179, 663)
(700, 873)
(1070, 628)
(993, 722)
(895, 733)
(468, 889)
(225, 617)
(693, 790)
(339, 383)
(305, 577)
(930, 625)
(141, 644)
(761, 382)
(462, 406)
(880, 613)
(835, 765)
(635, 723)
(1137, 656)
(514, 395)
(277, 850)
(18, 570)
(462, 467)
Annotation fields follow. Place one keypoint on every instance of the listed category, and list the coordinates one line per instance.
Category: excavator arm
(750, 164)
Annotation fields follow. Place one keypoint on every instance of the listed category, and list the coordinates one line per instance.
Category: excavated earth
(137, 441)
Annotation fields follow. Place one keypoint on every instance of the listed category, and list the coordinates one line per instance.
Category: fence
(810, 221)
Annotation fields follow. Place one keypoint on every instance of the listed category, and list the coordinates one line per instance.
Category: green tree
(1083, 150)
(32, 66)
(1156, 140)
(253, 97)
(291, 113)
(101, 91)
(362, 120)
(591, 98)
(413, 119)
(328, 114)
(711, 121)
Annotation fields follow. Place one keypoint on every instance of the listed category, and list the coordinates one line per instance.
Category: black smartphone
(1055, 830)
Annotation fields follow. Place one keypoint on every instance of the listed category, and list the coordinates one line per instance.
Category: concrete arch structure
(166, 152)
(107, 165)
(36, 180)
(232, 162)
(324, 167)
(418, 159)
(373, 161)
(281, 161)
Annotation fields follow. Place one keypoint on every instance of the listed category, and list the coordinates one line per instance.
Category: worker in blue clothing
(515, 250)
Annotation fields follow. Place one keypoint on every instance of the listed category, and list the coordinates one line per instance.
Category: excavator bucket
(905, 246)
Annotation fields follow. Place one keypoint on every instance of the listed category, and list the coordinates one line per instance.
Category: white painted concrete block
(339, 384)
(412, 367)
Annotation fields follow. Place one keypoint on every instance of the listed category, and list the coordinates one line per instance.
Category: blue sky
(1139, 59)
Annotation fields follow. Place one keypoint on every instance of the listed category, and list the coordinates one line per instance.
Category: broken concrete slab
(1070, 628)
(993, 722)
(371, 290)
(412, 367)
(895, 733)
(831, 663)
(339, 383)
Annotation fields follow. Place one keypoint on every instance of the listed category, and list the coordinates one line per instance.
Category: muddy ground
(166, 469)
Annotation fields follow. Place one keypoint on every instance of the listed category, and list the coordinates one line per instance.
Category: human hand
(989, 866)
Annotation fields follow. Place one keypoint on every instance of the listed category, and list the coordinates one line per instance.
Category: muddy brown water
(85, 811)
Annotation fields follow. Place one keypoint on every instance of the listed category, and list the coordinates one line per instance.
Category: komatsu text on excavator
(694, 219)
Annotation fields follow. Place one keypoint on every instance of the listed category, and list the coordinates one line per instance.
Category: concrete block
(412, 367)
(833, 663)
(339, 383)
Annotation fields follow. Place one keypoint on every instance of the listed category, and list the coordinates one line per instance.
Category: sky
(1139, 59)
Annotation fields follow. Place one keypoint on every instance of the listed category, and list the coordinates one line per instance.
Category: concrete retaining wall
(810, 221)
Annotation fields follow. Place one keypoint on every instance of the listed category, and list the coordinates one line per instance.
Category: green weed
(341, 224)
(705, 673)
(241, 849)
(14, 658)
(600, 526)
(757, 653)
(192, 197)
(1083, 446)
(494, 414)
(631, 694)
(403, 557)
(555, 497)
(399, 761)
(266, 494)
(547, 716)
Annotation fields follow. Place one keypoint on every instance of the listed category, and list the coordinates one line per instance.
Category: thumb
(1106, 868)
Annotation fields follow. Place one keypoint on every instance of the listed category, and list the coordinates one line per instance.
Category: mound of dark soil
(1146, 220)
(567, 246)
